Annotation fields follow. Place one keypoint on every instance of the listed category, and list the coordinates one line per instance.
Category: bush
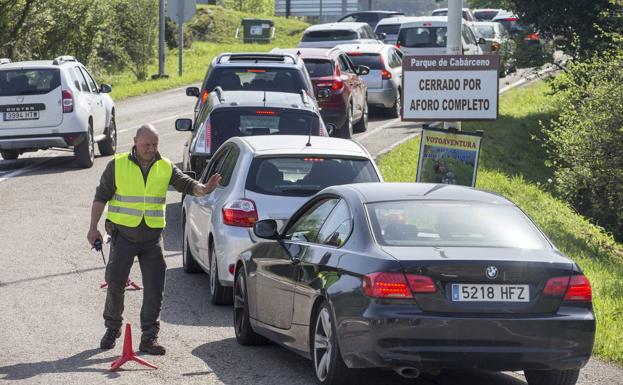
(585, 142)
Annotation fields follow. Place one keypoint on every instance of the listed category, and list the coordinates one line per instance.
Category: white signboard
(450, 87)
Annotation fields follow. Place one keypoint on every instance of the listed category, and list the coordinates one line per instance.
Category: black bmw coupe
(415, 278)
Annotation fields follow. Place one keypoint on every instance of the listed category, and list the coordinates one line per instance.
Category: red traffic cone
(128, 352)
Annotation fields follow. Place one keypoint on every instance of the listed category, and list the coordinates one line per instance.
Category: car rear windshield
(305, 176)
(372, 60)
(318, 67)
(28, 81)
(452, 223)
(330, 35)
(423, 37)
(388, 29)
(260, 121)
(485, 15)
(485, 31)
(256, 79)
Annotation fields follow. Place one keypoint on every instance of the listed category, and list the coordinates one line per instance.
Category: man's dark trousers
(153, 270)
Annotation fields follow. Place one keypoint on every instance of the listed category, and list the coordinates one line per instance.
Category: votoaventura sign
(450, 87)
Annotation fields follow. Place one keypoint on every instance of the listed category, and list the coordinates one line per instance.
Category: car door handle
(295, 260)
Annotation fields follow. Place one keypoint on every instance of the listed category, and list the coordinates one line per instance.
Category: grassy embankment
(220, 38)
(512, 164)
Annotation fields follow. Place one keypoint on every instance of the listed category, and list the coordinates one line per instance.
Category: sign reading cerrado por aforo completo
(450, 87)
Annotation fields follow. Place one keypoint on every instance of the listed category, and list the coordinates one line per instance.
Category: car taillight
(385, 74)
(495, 46)
(240, 213)
(335, 85)
(265, 112)
(204, 96)
(386, 285)
(68, 101)
(532, 36)
(579, 289)
(204, 141)
(575, 288)
(421, 284)
(398, 45)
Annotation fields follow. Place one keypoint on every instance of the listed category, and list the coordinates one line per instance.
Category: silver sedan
(385, 78)
(263, 177)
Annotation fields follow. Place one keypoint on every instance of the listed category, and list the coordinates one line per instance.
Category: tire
(346, 131)
(362, 124)
(328, 364)
(189, 264)
(219, 294)
(552, 377)
(245, 335)
(9, 154)
(85, 151)
(394, 111)
(108, 146)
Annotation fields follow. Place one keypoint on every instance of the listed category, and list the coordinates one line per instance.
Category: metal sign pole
(453, 46)
(160, 41)
(180, 34)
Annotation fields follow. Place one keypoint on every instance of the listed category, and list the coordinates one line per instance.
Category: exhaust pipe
(408, 371)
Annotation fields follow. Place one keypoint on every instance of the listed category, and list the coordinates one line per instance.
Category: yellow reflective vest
(134, 199)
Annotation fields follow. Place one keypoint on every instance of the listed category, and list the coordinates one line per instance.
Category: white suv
(45, 104)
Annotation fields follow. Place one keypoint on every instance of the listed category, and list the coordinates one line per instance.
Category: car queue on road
(315, 253)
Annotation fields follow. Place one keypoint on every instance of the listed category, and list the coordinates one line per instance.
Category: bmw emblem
(492, 272)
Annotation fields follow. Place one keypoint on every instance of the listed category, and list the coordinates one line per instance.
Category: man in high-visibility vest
(134, 185)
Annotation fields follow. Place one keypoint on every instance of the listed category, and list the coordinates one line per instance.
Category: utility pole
(161, 71)
(288, 8)
(454, 45)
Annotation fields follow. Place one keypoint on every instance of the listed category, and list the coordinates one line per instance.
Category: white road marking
(38, 164)
(374, 131)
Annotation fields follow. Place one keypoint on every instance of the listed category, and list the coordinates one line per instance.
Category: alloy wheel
(322, 344)
(240, 306)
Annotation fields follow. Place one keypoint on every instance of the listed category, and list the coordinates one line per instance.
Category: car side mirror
(184, 124)
(267, 229)
(381, 36)
(482, 41)
(192, 91)
(105, 88)
(363, 70)
(331, 127)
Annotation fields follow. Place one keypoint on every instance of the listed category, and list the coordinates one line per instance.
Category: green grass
(219, 38)
(512, 164)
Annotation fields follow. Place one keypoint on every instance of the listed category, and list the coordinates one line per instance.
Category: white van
(428, 36)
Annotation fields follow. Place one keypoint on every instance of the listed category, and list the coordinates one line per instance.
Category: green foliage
(256, 7)
(586, 140)
(512, 165)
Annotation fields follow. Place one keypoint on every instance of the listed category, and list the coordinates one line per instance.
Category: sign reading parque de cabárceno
(450, 87)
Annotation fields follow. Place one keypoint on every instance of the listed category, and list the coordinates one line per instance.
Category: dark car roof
(378, 192)
(264, 99)
(373, 13)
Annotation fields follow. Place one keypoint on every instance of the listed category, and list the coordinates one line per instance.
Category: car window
(307, 226)
(215, 165)
(388, 29)
(319, 67)
(74, 78)
(92, 84)
(485, 31)
(84, 87)
(28, 81)
(257, 79)
(395, 59)
(337, 227)
(330, 35)
(348, 64)
(372, 60)
(229, 165)
(453, 223)
(305, 176)
(423, 37)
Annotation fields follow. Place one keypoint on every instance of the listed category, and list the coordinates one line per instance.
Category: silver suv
(55, 103)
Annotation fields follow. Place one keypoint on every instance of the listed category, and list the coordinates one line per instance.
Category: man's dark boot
(110, 338)
(150, 345)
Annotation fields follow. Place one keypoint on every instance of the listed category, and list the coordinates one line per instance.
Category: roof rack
(256, 57)
(62, 59)
(5, 60)
(219, 94)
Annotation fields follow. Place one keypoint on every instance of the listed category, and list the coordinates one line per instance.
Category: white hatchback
(263, 177)
(46, 104)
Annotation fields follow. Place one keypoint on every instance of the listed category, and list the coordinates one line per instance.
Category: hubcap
(239, 304)
(322, 344)
(91, 145)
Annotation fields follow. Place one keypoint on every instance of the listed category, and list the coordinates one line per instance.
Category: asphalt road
(49, 281)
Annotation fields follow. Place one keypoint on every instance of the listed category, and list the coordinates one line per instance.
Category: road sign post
(181, 11)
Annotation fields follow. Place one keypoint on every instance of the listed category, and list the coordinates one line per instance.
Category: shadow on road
(78, 363)
(172, 233)
(186, 301)
(234, 364)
